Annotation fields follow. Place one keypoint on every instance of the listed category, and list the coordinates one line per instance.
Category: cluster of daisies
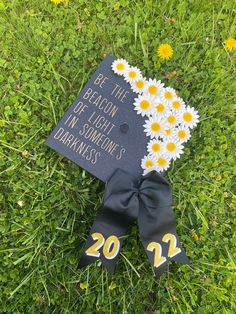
(168, 119)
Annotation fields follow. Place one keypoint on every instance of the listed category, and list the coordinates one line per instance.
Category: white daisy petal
(120, 66)
(154, 87)
(177, 104)
(155, 126)
(139, 85)
(162, 163)
(173, 148)
(182, 134)
(189, 117)
(148, 164)
(155, 147)
(169, 94)
(143, 105)
(132, 74)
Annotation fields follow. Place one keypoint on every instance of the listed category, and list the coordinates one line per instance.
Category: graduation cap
(101, 130)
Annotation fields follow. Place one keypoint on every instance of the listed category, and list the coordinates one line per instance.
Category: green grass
(47, 53)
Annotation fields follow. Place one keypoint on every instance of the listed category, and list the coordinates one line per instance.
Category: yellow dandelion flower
(230, 44)
(165, 51)
(56, 1)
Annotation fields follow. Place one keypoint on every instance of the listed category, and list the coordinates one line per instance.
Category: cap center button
(124, 127)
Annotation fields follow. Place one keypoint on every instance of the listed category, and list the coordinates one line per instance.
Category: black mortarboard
(101, 131)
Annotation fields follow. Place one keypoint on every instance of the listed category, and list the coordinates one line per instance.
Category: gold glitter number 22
(157, 248)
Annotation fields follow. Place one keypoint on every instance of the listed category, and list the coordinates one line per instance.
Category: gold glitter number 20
(110, 247)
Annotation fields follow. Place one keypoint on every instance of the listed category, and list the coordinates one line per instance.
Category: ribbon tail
(105, 240)
(161, 242)
(157, 253)
(157, 225)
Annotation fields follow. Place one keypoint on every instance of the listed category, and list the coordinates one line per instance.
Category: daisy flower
(189, 117)
(173, 148)
(182, 134)
(168, 132)
(177, 104)
(155, 147)
(119, 66)
(169, 94)
(162, 163)
(165, 51)
(154, 127)
(154, 87)
(172, 119)
(148, 164)
(143, 105)
(230, 44)
(161, 107)
(139, 85)
(132, 74)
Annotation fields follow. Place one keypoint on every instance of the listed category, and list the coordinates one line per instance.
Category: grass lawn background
(48, 204)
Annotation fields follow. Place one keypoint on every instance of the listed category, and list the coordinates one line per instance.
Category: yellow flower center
(156, 127)
(160, 108)
(168, 131)
(168, 95)
(171, 119)
(152, 89)
(140, 84)
(171, 147)
(176, 104)
(144, 104)
(182, 134)
(156, 147)
(187, 117)
(149, 163)
(132, 74)
(120, 66)
(161, 162)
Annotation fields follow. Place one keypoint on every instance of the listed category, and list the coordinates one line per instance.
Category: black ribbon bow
(147, 200)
